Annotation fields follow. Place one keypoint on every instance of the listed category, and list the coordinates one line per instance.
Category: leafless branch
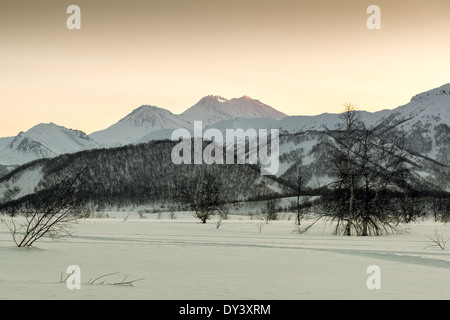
(438, 240)
(123, 282)
(50, 213)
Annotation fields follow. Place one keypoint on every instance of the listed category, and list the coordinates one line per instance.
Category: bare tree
(260, 226)
(349, 175)
(172, 215)
(371, 177)
(342, 151)
(441, 209)
(270, 210)
(50, 213)
(219, 222)
(438, 240)
(302, 203)
(203, 195)
(382, 175)
(298, 194)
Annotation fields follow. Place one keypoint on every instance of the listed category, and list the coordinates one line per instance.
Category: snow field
(183, 259)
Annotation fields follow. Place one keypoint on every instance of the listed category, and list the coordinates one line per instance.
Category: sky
(300, 57)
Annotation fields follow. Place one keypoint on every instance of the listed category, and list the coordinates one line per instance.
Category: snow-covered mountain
(149, 123)
(139, 123)
(424, 121)
(44, 140)
(212, 109)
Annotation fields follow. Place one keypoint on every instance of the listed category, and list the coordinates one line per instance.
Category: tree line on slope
(139, 175)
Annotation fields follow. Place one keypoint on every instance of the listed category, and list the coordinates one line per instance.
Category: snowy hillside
(425, 121)
(138, 124)
(5, 141)
(162, 134)
(429, 109)
(131, 175)
(3, 170)
(44, 141)
(23, 183)
(244, 124)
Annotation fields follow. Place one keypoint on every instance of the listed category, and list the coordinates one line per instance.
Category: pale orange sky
(300, 57)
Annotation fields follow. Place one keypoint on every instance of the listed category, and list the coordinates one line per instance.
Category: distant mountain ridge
(424, 121)
(146, 123)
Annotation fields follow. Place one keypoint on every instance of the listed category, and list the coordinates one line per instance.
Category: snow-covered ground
(183, 259)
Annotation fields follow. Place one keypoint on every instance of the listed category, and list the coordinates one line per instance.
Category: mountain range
(143, 124)
(128, 146)
(423, 120)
